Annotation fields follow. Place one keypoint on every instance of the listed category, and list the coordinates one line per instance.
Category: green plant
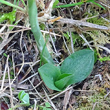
(66, 35)
(12, 5)
(97, 20)
(24, 98)
(76, 4)
(8, 16)
(74, 69)
(11, 16)
(46, 107)
(104, 59)
(32, 11)
(55, 3)
(75, 37)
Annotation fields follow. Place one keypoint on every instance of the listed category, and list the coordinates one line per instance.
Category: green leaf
(66, 35)
(79, 64)
(24, 97)
(93, 1)
(49, 73)
(63, 76)
(47, 104)
(10, 109)
(44, 108)
(55, 3)
(74, 69)
(89, 1)
(20, 95)
(12, 5)
(69, 5)
(62, 83)
(98, 5)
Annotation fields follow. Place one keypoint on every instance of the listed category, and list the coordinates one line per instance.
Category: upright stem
(32, 11)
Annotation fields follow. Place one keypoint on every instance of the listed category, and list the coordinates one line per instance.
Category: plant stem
(32, 11)
(69, 5)
(12, 5)
(19, 105)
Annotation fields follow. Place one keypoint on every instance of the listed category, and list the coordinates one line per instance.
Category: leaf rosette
(74, 69)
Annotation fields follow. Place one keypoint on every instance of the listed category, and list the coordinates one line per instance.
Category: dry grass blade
(86, 24)
(104, 48)
(82, 36)
(37, 92)
(4, 74)
(67, 98)
(0, 69)
(50, 101)
(11, 94)
(35, 105)
(25, 29)
(61, 93)
(2, 29)
(5, 42)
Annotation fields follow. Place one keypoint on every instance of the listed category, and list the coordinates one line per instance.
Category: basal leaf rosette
(74, 69)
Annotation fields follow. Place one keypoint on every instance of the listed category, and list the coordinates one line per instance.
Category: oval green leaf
(62, 81)
(49, 73)
(79, 64)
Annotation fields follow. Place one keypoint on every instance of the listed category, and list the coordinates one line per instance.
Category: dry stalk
(4, 74)
(52, 104)
(11, 94)
(85, 24)
(82, 36)
(37, 92)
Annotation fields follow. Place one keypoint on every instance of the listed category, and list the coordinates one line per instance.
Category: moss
(99, 21)
(8, 16)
